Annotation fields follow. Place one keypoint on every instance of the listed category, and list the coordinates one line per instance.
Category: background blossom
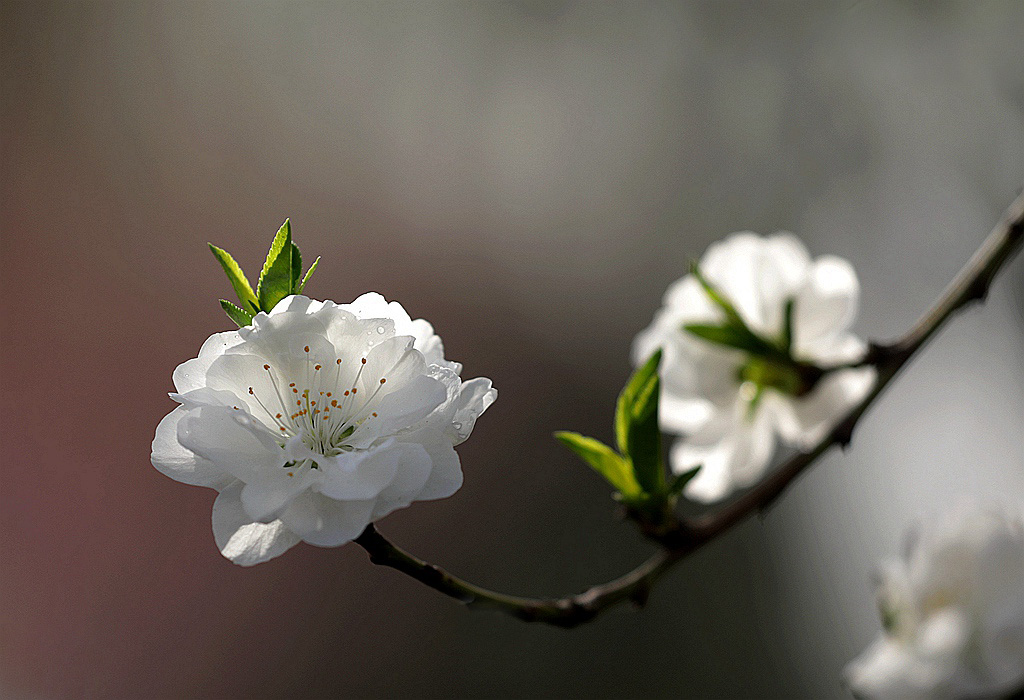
(730, 420)
(953, 611)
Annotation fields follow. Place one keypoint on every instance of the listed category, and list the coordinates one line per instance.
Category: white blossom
(952, 610)
(317, 420)
(729, 405)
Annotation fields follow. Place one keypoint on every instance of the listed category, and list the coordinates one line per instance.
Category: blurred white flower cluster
(952, 610)
(317, 420)
(745, 337)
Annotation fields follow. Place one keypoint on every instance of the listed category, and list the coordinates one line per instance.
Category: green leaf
(276, 278)
(681, 480)
(236, 277)
(309, 273)
(236, 314)
(636, 426)
(296, 272)
(604, 461)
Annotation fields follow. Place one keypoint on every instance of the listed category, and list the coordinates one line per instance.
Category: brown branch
(677, 537)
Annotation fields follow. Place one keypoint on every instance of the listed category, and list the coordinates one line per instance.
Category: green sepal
(636, 426)
(295, 276)
(605, 461)
(786, 342)
(236, 314)
(309, 273)
(680, 481)
(237, 278)
(718, 298)
(727, 335)
(275, 281)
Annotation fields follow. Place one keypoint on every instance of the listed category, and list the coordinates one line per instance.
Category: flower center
(316, 407)
(779, 372)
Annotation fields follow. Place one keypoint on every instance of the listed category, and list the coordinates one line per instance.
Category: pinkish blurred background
(529, 176)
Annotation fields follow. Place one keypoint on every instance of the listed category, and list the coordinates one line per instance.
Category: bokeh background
(529, 176)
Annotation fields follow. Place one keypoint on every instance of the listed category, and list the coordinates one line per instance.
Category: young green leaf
(236, 277)
(236, 314)
(276, 278)
(309, 273)
(681, 480)
(636, 426)
(296, 272)
(604, 461)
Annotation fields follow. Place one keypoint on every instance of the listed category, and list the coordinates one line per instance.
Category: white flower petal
(826, 304)
(415, 466)
(191, 374)
(733, 453)
(475, 396)
(445, 473)
(326, 522)
(683, 415)
(790, 257)
(218, 343)
(757, 275)
(296, 304)
(886, 671)
(239, 538)
(360, 475)
(205, 396)
(804, 421)
(179, 463)
(374, 306)
(231, 440)
(264, 499)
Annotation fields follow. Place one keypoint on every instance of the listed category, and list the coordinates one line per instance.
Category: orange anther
(266, 366)
(316, 367)
(382, 380)
(363, 360)
(306, 348)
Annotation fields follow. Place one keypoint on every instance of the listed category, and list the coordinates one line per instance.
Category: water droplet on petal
(380, 329)
(457, 425)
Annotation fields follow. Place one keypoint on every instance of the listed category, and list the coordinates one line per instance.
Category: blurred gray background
(529, 176)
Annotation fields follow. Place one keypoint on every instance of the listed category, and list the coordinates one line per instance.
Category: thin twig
(679, 538)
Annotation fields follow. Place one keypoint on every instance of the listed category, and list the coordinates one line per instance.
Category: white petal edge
(173, 460)
(240, 539)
